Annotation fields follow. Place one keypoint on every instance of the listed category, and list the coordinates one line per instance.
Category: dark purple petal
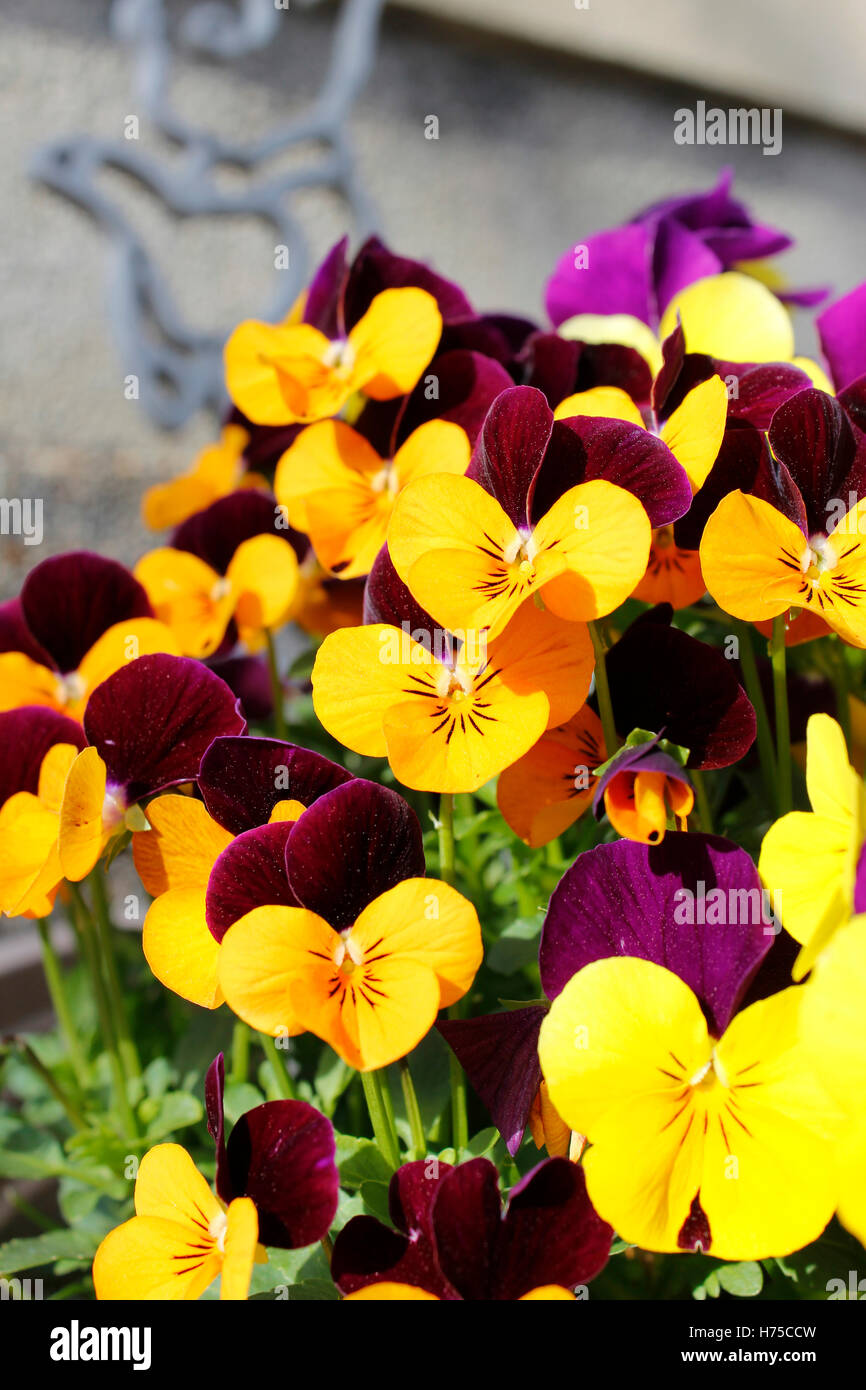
(499, 1053)
(466, 1221)
(763, 389)
(388, 600)
(811, 436)
(510, 449)
(642, 757)
(410, 1198)
(282, 1155)
(250, 872)
(248, 677)
(853, 402)
(323, 306)
(679, 373)
(467, 384)
(375, 269)
(842, 330)
(15, 635)
(243, 779)
(586, 448)
(501, 336)
(663, 679)
(153, 720)
(774, 972)
(26, 734)
(607, 274)
(215, 533)
(551, 1234)
(214, 1093)
(352, 845)
(69, 600)
(744, 463)
(366, 1252)
(624, 899)
(560, 366)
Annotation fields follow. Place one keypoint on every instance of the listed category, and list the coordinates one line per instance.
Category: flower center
(217, 1230)
(348, 955)
(521, 552)
(455, 684)
(71, 688)
(340, 357)
(710, 1074)
(818, 557)
(220, 590)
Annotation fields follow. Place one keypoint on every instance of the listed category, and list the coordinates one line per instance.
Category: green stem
(446, 837)
(276, 686)
(57, 989)
(703, 800)
(240, 1052)
(843, 706)
(372, 1081)
(459, 1121)
(39, 1067)
(602, 690)
(783, 723)
(90, 947)
(328, 1247)
(413, 1111)
(749, 667)
(120, 1019)
(282, 1080)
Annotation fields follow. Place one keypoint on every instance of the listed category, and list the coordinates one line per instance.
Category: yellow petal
(277, 376)
(360, 673)
(26, 682)
(28, 845)
(426, 920)
(154, 1259)
(731, 316)
(241, 1238)
(387, 1292)
(437, 446)
(394, 341)
(188, 596)
(751, 558)
(547, 789)
(607, 1049)
(85, 825)
(593, 547)
(608, 402)
(327, 456)
(180, 949)
(695, 430)
(262, 954)
(181, 846)
(170, 1186)
(263, 574)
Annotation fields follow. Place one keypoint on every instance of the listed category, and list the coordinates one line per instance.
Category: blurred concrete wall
(534, 151)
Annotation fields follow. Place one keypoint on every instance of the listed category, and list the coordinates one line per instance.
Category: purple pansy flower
(693, 904)
(281, 1155)
(639, 267)
(453, 1240)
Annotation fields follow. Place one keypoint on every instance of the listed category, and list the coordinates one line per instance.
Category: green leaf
(359, 1161)
(175, 1111)
(516, 947)
(743, 1280)
(482, 1144)
(35, 1251)
(28, 1153)
(240, 1097)
(375, 1195)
